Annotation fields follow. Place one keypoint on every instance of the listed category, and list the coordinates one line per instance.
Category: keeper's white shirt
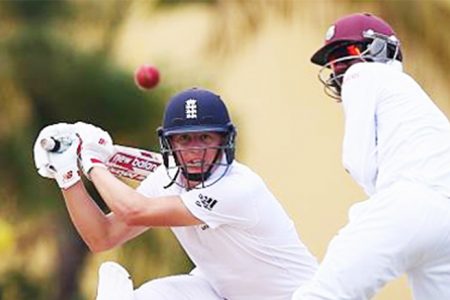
(248, 247)
(393, 130)
(397, 147)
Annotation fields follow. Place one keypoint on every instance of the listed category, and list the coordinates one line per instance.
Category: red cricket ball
(146, 77)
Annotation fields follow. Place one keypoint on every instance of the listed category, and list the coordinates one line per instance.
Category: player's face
(342, 58)
(196, 151)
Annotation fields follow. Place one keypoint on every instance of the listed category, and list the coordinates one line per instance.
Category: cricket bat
(126, 162)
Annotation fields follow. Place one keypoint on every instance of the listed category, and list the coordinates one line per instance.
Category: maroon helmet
(360, 37)
(355, 28)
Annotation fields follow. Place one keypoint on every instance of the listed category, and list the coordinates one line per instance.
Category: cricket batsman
(397, 148)
(241, 241)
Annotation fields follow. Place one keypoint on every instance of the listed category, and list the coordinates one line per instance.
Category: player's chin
(195, 170)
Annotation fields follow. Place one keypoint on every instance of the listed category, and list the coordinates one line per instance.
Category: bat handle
(59, 145)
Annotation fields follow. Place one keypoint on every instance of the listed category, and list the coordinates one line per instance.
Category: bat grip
(55, 145)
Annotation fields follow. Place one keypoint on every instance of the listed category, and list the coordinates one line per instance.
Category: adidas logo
(206, 202)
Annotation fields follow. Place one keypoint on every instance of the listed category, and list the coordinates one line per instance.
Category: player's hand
(59, 166)
(64, 165)
(96, 146)
(41, 156)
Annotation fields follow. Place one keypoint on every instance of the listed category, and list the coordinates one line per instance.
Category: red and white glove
(65, 165)
(61, 166)
(96, 146)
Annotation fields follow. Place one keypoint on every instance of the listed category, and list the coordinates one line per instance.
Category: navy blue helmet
(197, 110)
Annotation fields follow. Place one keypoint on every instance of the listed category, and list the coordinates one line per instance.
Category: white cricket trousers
(115, 284)
(402, 229)
(178, 287)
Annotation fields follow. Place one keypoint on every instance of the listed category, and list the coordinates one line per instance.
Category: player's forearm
(124, 201)
(137, 210)
(89, 220)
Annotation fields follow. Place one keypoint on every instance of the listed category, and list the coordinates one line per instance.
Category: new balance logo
(191, 109)
(67, 176)
(206, 202)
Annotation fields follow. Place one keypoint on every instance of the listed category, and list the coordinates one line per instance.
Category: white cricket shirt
(248, 247)
(393, 130)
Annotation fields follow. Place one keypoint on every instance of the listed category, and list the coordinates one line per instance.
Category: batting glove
(64, 165)
(96, 146)
(40, 155)
(59, 166)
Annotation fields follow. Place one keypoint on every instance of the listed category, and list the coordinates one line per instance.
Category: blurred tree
(241, 20)
(238, 21)
(47, 80)
(436, 39)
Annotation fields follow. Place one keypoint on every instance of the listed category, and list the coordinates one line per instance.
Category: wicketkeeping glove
(96, 146)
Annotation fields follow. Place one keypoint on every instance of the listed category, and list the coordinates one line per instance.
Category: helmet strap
(173, 180)
(227, 148)
(200, 177)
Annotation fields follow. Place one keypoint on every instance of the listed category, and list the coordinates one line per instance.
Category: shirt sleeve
(359, 99)
(227, 202)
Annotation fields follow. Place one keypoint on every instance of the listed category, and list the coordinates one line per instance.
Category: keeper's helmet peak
(359, 37)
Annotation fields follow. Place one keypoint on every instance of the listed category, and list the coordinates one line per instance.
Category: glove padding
(59, 166)
(40, 155)
(96, 146)
(65, 165)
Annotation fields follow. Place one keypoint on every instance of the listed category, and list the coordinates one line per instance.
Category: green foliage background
(45, 80)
